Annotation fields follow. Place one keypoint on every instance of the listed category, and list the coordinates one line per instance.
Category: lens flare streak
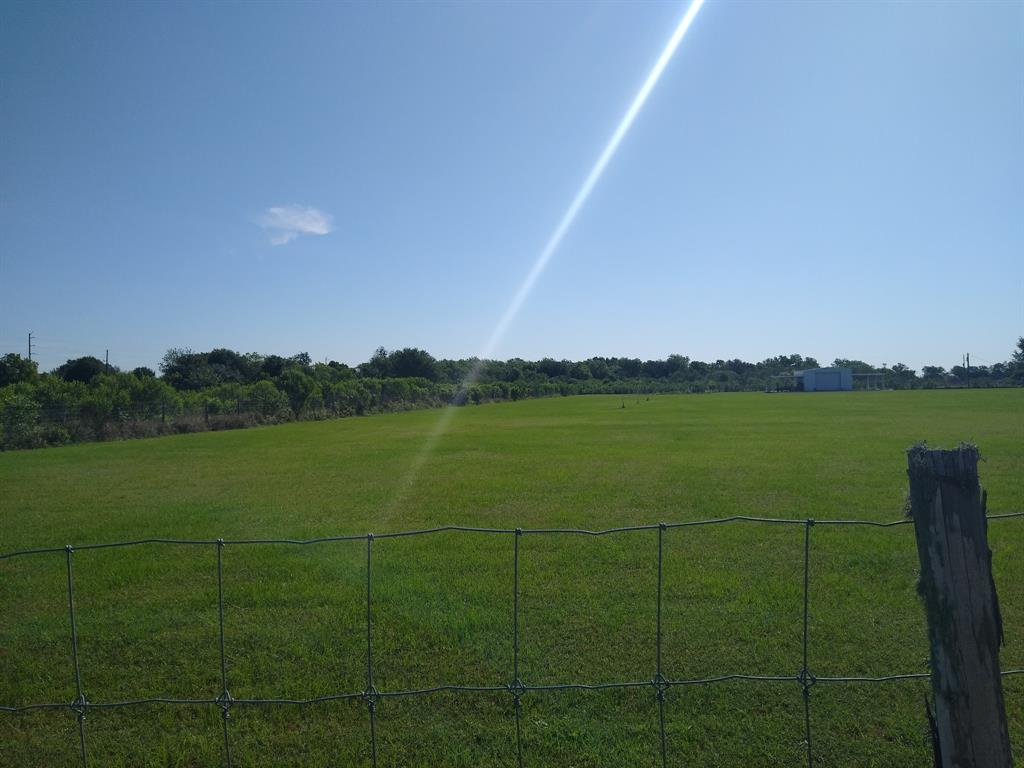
(554, 241)
(590, 182)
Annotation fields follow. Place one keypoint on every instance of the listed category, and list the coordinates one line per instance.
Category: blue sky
(833, 179)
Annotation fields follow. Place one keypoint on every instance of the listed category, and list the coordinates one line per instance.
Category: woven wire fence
(516, 688)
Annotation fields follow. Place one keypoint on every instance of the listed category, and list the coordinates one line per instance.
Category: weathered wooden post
(964, 625)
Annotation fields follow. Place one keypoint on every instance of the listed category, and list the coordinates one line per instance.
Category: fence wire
(516, 687)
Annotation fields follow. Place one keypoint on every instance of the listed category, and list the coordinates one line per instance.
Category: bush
(267, 400)
(19, 420)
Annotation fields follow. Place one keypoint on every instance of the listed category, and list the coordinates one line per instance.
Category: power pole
(968, 370)
(106, 361)
(30, 346)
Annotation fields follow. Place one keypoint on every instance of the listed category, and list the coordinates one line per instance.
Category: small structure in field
(814, 380)
(824, 380)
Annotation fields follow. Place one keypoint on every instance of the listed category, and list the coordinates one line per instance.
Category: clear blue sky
(833, 179)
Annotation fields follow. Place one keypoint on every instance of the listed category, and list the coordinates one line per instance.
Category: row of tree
(85, 399)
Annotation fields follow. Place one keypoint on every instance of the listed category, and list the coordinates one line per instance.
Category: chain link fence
(659, 683)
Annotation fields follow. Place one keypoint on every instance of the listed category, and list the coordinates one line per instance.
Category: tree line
(86, 399)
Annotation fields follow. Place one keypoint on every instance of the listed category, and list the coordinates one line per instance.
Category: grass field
(148, 625)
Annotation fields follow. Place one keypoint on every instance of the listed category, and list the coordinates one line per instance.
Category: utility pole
(106, 361)
(968, 370)
(30, 346)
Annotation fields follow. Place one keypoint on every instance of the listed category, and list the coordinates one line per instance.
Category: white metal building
(824, 380)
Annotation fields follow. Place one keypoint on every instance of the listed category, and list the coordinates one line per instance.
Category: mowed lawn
(442, 604)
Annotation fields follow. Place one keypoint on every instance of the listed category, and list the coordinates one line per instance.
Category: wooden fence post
(964, 625)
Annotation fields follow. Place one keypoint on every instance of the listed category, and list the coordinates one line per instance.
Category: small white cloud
(287, 222)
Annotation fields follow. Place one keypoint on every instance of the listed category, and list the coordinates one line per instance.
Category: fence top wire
(473, 529)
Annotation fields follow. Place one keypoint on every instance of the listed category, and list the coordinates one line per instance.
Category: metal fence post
(660, 683)
(370, 695)
(224, 700)
(806, 679)
(79, 705)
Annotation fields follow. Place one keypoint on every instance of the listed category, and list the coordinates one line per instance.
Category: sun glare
(555, 240)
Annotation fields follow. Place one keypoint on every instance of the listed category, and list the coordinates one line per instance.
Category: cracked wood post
(964, 625)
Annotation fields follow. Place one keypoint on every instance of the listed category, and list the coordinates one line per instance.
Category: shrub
(19, 419)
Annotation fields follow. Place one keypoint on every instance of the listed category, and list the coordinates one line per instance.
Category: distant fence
(515, 687)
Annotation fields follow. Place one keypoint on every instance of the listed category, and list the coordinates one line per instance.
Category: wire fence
(515, 687)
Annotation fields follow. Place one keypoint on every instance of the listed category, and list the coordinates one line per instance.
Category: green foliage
(223, 388)
(15, 369)
(298, 387)
(187, 370)
(82, 369)
(19, 418)
(412, 363)
(901, 377)
(378, 366)
(1016, 363)
(267, 400)
(857, 366)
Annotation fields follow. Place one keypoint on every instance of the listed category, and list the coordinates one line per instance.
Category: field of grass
(295, 616)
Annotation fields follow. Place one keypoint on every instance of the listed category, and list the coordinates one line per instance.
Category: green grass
(147, 617)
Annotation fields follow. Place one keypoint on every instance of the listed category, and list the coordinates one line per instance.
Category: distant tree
(627, 367)
(272, 366)
(901, 377)
(184, 369)
(655, 369)
(737, 366)
(377, 367)
(598, 367)
(411, 362)
(676, 364)
(83, 369)
(329, 373)
(1016, 362)
(551, 367)
(857, 366)
(302, 360)
(15, 369)
(493, 370)
(1018, 354)
(172, 355)
(142, 372)
(266, 399)
(229, 366)
(343, 371)
(19, 417)
(515, 369)
(453, 371)
(579, 371)
(297, 386)
(933, 376)
(724, 380)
